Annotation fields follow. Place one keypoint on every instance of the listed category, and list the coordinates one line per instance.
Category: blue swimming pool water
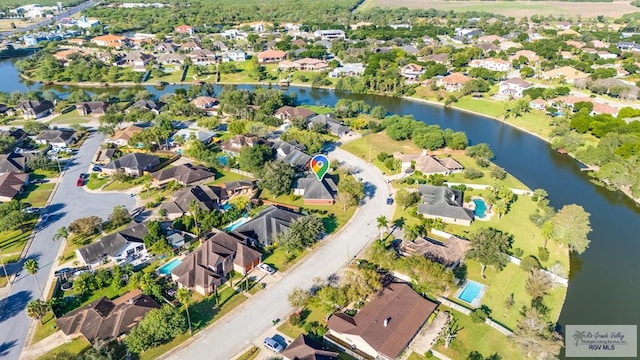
(166, 268)
(226, 206)
(481, 207)
(223, 160)
(237, 223)
(470, 291)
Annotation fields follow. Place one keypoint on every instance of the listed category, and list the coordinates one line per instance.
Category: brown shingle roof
(448, 253)
(106, 319)
(305, 348)
(184, 174)
(126, 133)
(11, 183)
(400, 307)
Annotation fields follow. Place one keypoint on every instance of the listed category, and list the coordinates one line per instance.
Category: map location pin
(319, 166)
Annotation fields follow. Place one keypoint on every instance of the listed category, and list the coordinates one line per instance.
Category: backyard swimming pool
(471, 292)
(166, 268)
(480, 209)
(236, 223)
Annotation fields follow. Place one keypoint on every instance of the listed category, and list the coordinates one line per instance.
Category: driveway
(68, 203)
(232, 333)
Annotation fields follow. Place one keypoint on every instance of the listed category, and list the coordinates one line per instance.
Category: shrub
(529, 263)
(295, 319)
(517, 252)
(543, 254)
(479, 315)
(472, 173)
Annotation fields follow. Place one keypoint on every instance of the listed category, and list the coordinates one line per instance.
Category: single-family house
(137, 60)
(429, 164)
(531, 56)
(110, 40)
(491, 64)
(5, 110)
(567, 72)
(121, 137)
(267, 224)
(202, 57)
(14, 162)
(453, 82)
(149, 105)
(575, 44)
(449, 253)
(271, 56)
(132, 164)
(234, 55)
(442, 58)
(491, 39)
(184, 29)
(239, 187)
(538, 104)
(513, 88)
(628, 46)
(209, 265)
(105, 156)
(412, 72)
(123, 247)
(330, 35)
(208, 104)
(166, 48)
(93, 108)
(309, 64)
(171, 59)
(33, 109)
(184, 174)
(606, 55)
(333, 126)
(385, 326)
(207, 198)
(288, 113)
(106, 320)
(354, 69)
(305, 348)
(507, 45)
(292, 153)
(57, 138)
(12, 184)
(204, 136)
(316, 192)
(189, 46)
(441, 202)
(233, 145)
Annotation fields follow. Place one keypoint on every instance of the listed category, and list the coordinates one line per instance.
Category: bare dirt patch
(617, 8)
(5, 24)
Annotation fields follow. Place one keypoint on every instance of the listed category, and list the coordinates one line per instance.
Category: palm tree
(61, 233)
(193, 210)
(411, 232)
(32, 267)
(184, 297)
(578, 336)
(383, 223)
(399, 223)
(37, 309)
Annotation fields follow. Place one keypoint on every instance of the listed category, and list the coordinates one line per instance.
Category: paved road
(69, 203)
(66, 13)
(234, 332)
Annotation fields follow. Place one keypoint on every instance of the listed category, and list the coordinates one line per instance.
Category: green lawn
(311, 313)
(96, 182)
(72, 117)
(223, 176)
(415, 356)
(377, 143)
(12, 242)
(117, 185)
(501, 285)
(526, 235)
(510, 181)
(282, 260)
(241, 75)
(85, 299)
(319, 109)
(42, 174)
(203, 314)
(36, 195)
(74, 347)
(479, 337)
(45, 328)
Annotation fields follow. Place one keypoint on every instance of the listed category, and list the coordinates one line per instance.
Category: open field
(5, 24)
(616, 8)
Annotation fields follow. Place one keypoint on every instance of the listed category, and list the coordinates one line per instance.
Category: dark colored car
(389, 201)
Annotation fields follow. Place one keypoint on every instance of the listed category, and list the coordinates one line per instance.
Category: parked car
(273, 345)
(84, 176)
(389, 200)
(96, 168)
(266, 269)
(80, 181)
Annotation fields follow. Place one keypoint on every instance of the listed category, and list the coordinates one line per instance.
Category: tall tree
(184, 297)
(277, 177)
(119, 216)
(383, 224)
(571, 226)
(194, 209)
(32, 267)
(61, 233)
(538, 284)
(406, 198)
(298, 298)
(535, 336)
(489, 246)
(350, 191)
(252, 159)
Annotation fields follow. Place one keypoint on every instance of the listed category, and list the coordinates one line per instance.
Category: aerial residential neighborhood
(333, 179)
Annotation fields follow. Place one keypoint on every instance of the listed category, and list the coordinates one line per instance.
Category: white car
(266, 269)
(273, 345)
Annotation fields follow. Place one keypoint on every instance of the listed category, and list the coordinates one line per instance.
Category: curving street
(230, 334)
(67, 203)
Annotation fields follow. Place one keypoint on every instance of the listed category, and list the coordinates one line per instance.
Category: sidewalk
(44, 346)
